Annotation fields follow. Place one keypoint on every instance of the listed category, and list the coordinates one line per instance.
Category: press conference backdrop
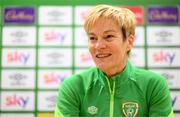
(43, 42)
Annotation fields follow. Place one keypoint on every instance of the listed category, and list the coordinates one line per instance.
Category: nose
(100, 44)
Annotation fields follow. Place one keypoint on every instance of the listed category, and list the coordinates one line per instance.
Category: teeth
(102, 55)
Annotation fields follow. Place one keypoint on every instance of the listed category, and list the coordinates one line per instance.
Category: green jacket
(133, 92)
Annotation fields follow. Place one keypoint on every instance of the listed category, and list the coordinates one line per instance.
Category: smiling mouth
(103, 55)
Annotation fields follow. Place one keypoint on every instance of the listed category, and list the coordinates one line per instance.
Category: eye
(92, 38)
(109, 37)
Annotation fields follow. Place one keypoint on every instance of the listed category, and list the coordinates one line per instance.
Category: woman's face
(107, 47)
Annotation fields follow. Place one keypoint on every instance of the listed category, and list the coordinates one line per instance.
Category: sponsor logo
(139, 13)
(85, 57)
(137, 35)
(92, 110)
(51, 100)
(55, 55)
(133, 56)
(17, 79)
(45, 115)
(54, 36)
(163, 15)
(18, 57)
(130, 109)
(15, 100)
(163, 34)
(164, 57)
(174, 100)
(19, 15)
(19, 35)
(169, 77)
(17, 115)
(55, 13)
(53, 78)
(55, 58)
(84, 14)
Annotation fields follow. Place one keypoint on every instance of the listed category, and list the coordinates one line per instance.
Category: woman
(113, 88)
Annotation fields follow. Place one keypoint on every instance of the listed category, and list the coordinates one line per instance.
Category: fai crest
(92, 110)
(130, 109)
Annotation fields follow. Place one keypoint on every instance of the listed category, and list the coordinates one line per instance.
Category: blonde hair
(122, 16)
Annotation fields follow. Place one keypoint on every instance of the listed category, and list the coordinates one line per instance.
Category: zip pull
(100, 90)
(112, 92)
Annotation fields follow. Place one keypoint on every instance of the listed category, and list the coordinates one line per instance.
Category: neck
(113, 71)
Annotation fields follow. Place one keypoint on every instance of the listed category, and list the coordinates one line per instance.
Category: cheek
(119, 53)
(90, 48)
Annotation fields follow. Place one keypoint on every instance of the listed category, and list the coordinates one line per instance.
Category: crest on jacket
(92, 110)
(130, 109)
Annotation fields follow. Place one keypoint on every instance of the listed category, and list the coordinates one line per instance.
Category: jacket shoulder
(148, 81)
(82, 79)
(142, 75)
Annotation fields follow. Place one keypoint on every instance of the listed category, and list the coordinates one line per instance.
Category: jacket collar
(119, 78)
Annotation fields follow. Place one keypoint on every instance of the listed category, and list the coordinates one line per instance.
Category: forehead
(104, 25)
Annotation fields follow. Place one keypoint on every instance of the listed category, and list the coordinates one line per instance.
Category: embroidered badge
(130, 109)
(92, 110)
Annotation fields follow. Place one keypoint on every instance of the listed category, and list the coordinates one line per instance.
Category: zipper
(111, 91)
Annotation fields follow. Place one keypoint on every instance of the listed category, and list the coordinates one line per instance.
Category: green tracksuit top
(132, 93)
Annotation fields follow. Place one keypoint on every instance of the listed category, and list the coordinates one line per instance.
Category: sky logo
(17, 57)
(54, 36)
(174, 101)
(137, 36)
(133, 56)
(167, 75)
(15, 100)
(84, 14)
(164, 57)
(53, 78)
(85, 57)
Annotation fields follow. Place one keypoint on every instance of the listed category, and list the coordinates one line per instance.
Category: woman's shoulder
(147, 78)
(81, 79)
(147, 74)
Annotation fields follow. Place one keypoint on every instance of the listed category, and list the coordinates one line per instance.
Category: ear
(130, 42)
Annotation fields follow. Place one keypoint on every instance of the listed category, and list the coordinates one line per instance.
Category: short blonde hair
(122, 16)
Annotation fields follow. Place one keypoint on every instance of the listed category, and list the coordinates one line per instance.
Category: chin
(102, 67)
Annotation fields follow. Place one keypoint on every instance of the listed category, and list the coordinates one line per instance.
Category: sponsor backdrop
(43, 42)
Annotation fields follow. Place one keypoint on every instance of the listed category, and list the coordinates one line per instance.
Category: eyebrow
(109, 31)
(104, 32)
